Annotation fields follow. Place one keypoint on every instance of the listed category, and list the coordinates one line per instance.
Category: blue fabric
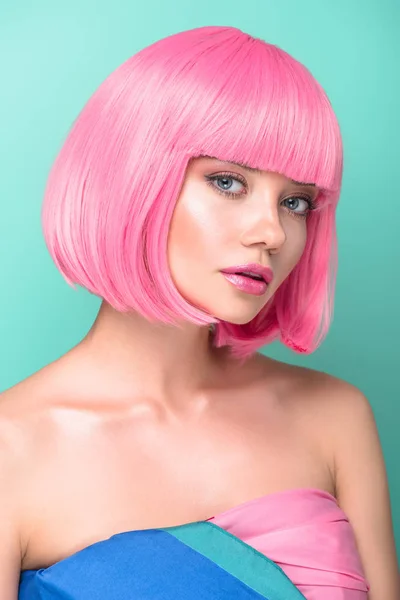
(154, 564)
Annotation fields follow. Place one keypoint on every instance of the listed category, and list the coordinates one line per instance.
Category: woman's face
(227, 215)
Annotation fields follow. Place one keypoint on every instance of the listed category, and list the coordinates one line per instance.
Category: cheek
(193, 235)
(296, 239)
(301, 241)
(189, 229)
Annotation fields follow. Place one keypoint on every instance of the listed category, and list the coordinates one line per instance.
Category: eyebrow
(259, 172)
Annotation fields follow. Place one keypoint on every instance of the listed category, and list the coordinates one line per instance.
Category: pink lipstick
(251, 278)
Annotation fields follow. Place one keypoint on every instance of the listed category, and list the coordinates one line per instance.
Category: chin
(237, 317)
(240, 321)
(233, 311)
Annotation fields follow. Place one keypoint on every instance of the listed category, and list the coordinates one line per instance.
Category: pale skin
(143, 425)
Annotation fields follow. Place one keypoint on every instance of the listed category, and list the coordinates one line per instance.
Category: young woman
(163, 456)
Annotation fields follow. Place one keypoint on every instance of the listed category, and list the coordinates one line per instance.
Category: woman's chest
(144, 469)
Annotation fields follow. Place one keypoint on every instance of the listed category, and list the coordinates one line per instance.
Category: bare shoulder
(15, 462)
(20, 407)
(18, 411)
(23, 420)
(315, 393)
(26, 416)
(24, 427)
(346, 420)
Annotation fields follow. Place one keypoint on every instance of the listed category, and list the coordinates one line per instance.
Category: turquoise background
(53, 56)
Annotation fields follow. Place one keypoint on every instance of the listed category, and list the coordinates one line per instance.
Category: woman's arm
(362, 489)
(10, 548)
(12, 456)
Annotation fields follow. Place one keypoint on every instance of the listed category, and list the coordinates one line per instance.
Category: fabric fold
(307, 534)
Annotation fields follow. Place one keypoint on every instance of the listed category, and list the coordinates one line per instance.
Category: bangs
(265, 110)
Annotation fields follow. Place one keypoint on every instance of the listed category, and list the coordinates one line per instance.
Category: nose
(266, 228)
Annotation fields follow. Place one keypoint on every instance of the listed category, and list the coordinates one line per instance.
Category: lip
(264, 272)
(255, 287)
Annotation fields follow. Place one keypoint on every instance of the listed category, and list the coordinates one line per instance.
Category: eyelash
(235, 177)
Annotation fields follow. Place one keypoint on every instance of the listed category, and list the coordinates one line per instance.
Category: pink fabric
(307, 534)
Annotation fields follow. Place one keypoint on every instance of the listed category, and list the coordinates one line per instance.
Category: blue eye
(299, 206)
(224, 183)
(226, 186)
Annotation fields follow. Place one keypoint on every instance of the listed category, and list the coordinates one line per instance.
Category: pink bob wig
(110, 195)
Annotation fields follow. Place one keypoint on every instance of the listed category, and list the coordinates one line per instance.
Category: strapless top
(300, 535)
(306, 533)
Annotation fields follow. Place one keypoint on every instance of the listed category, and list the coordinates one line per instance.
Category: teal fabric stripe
(237, 558)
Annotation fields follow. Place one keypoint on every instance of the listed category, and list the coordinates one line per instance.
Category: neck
(137, 358)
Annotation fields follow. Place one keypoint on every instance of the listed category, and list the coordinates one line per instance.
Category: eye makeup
(212, 179)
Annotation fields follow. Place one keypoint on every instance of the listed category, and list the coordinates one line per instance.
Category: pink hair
(212, 91)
